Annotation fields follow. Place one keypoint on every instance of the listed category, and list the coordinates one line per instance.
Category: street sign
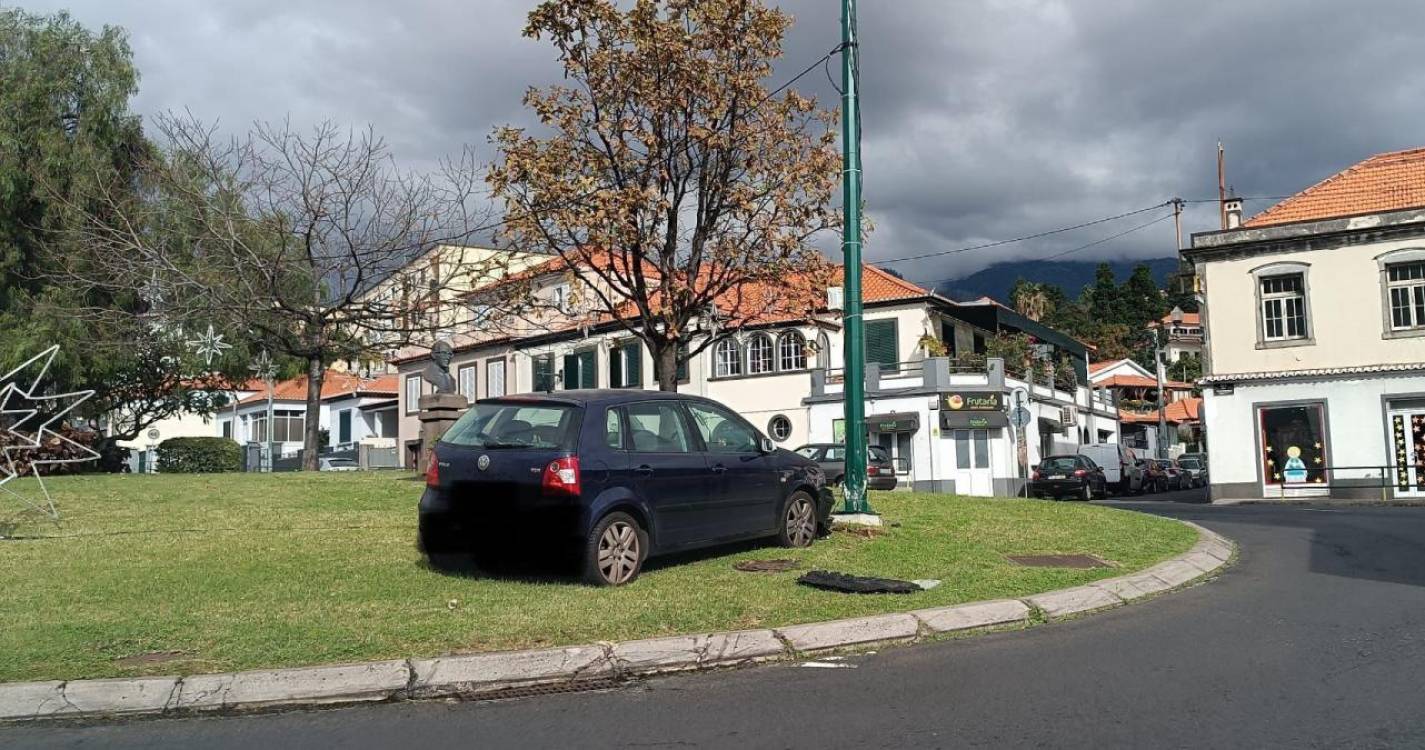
(1019, 417)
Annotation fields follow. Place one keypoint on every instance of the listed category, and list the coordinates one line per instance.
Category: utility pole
(1221, 185)
(854, 342)
(1162, 400)
(1178, 223)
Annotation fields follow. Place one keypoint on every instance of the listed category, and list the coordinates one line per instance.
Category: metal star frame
(209, 345)
(263, 367)
(23, 404)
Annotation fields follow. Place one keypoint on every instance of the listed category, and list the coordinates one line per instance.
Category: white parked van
(1119, 464)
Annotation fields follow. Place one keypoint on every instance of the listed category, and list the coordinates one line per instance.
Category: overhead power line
(1036, 236)
(1110, 238)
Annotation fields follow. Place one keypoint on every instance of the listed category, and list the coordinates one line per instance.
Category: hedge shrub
(198, 455)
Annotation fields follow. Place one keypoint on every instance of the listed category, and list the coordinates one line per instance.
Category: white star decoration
(209, 345)
(263, 366)
(27, 403)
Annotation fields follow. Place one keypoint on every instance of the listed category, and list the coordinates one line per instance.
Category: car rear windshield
(499, 425)
(878, 453)
(1064, 463)
(1189, 463)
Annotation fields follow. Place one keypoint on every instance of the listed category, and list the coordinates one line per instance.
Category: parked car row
(1098, 470)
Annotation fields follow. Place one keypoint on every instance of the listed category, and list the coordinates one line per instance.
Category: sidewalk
(493, 674)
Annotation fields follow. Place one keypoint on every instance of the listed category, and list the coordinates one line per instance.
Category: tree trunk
(312, 424)
(665, 363)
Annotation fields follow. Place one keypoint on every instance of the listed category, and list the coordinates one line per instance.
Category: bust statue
(437, 373)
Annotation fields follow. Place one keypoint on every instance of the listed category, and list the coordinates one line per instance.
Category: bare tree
(672, 183)
(313, 244)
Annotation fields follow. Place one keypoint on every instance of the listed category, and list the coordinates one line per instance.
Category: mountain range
(1070, 275)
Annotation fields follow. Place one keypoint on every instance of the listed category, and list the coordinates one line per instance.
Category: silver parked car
(337, 464)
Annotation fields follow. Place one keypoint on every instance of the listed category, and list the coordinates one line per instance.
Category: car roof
(590, 396)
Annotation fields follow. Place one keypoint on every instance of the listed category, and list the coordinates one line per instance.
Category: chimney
(1233, 208)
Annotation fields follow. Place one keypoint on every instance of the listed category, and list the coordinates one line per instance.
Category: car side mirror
(765, 445)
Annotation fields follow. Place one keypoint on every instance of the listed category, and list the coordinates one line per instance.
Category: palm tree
(1031, 300)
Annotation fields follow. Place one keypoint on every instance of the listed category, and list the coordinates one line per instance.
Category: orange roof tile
(1189, 319)
(1385, 182)
(334, 385)
(1138, 381)
(1097, 366)
(1185, 410)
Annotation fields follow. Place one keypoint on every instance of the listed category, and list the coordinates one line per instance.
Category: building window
(343, 427)
(542, 372)
(626, 365)
(413, 394)
(881, 345)
(561, 298)
(495, 378)
(465, 377)
(579, 370)
(288, 426)
(1294, 445)
(779, 428)
(791, 351)
(1405, 283)
(823, 351)
(727, 358)
(228, 429)
(1283, 307)
(480, 315)
(759, 354)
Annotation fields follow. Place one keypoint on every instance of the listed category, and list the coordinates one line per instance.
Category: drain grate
(1081, 562)
(530, 691)
(766, 566)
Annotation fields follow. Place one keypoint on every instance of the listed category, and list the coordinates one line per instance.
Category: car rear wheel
(615, 551)
(1086, 494)
(798, 527)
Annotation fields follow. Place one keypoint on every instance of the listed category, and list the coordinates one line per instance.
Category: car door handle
(719, 469)
(645, 470)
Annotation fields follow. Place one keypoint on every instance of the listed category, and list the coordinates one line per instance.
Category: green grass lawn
(251, 571)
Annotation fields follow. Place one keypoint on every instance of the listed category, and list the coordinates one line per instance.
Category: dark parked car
(880, 469)
(1177, 478)
(1155, 476)
(1074, 476)
(616, 476)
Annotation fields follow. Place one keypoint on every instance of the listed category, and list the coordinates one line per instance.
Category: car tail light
(1035, 475)
(872, 471)
(1080, 472)
(561, 476)
(433, 472)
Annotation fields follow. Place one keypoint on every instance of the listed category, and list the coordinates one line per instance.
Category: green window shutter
(616, 367)
(588, 374)
(682, 362)
(881, 342)
(543, 373)
(571, 371)
(633, 368)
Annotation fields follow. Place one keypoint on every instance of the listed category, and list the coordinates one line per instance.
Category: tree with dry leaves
(671, 180)
(279, 239)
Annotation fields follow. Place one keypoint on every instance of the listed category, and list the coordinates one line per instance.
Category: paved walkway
(1316, 638)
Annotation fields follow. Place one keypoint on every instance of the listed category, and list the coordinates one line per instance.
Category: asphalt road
(1315, 639)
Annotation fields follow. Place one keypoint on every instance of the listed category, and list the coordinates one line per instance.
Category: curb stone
(486, 674)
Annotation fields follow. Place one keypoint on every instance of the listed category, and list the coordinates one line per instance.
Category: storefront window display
(1294, 444)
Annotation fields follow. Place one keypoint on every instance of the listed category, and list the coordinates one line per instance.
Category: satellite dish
(152, 433)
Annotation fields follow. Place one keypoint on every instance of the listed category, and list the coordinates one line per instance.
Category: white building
(1314, 319)
(942, 418)
(354, 411)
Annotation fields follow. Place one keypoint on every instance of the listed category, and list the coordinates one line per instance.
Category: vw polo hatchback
(615, 476)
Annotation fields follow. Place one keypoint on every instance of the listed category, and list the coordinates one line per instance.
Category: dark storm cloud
(983, 120)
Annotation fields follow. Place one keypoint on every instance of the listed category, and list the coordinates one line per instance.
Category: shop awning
(893, 422)
(976, 420)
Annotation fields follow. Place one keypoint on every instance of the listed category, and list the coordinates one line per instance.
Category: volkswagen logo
(483, 463)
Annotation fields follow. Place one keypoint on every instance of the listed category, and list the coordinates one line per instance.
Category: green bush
(198, 455)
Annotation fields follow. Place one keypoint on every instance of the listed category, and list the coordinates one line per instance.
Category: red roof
(1385, 182)
(1138, 381)
(335, 384)
(1178, 412)
(1189, 319)
(1097, 366)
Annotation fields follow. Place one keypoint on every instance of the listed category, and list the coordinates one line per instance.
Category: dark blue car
(619, 475)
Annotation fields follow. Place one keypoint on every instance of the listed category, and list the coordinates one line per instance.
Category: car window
(657, 427)
(721, 431)
(613, 430)
(494, 425)
(878, 453)
(1189, 463)
(808, 452)
(1089, 462)
(1062, 464)
(837, 453)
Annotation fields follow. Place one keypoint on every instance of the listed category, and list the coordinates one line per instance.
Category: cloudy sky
(983, 120)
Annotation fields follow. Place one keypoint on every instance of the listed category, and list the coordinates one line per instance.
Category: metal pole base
(855, 519)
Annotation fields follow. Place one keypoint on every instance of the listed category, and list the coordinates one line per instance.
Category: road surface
(1315, 639)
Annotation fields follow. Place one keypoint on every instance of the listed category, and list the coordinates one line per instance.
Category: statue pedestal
(438, 412)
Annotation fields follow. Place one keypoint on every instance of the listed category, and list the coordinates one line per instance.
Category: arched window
(759, 354)
(823, 351)
(727, 358)
(791, 351)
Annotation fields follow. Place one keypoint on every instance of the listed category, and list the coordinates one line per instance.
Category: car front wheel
(614, 551)
(798, 527)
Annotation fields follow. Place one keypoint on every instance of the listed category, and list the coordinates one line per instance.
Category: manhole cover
(1058, 561)
(767, 566)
